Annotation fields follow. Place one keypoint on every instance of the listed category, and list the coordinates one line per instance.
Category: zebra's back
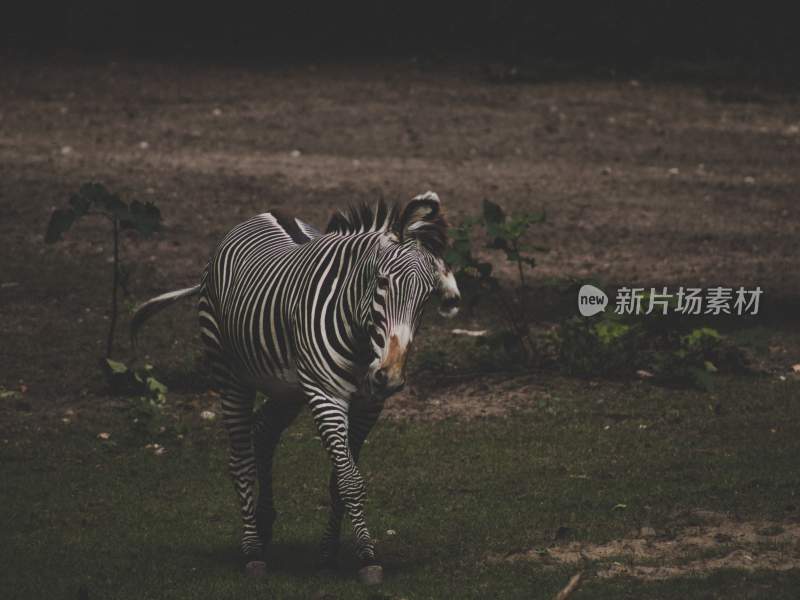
(244, 308)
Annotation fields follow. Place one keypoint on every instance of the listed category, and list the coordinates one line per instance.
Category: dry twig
(570, 587)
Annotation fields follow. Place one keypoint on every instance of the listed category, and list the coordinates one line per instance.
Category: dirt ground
(705, 541)
(643, 182)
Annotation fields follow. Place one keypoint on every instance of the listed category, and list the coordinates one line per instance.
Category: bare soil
(643, 182)
(470, 398)
(715, 541)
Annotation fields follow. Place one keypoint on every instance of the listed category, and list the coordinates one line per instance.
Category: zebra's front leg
(331, 417)
(361, 419)
(237, 415)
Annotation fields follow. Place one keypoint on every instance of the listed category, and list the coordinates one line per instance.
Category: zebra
(324, 320)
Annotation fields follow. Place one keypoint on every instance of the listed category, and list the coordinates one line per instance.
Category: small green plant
(149, 395)
(93, 199)
(123, 380)
(591, 347)
(609, 344)
(504, 233)
(699, 354)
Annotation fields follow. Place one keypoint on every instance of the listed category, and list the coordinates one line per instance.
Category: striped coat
(324, 320)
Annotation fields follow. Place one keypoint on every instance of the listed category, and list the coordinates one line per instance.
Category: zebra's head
(409, 269)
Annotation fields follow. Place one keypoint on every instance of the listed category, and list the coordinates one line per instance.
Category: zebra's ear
(422, 219)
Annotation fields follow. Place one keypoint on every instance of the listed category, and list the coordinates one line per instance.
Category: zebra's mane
(363, 218)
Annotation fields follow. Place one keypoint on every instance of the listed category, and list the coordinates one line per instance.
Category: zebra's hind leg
(237, 415)
(271, 420)
(361, 421)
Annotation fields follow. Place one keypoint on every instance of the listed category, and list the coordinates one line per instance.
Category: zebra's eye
(383, 283)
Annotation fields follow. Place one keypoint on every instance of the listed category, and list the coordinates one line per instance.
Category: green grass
(119, 522)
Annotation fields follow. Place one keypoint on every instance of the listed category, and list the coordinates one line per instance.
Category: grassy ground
(118, 521)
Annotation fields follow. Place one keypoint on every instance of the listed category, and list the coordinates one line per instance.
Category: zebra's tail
(157, 304)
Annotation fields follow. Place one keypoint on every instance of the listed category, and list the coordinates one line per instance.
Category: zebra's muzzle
(383, 383)
(388, 374)
(449, 306)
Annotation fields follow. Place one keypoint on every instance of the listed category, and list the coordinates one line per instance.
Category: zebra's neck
(358, 285)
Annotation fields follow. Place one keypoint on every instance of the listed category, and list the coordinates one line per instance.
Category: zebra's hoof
(256, 568)
(327, 572)
(371, 575)
(328, 565)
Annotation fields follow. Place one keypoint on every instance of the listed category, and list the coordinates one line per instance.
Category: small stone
(144, 145)
(646, 532)
(792, 130)
(391, 532)
(66, 150)
(749, 180)
(208, 415)
(157, 449)
(295, 153)
(674, 171)
(216, 112)
(103, 435)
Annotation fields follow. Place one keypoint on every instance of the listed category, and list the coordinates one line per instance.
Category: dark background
(621, 34)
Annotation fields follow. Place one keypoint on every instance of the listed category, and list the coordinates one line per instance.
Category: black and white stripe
(318, 319)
